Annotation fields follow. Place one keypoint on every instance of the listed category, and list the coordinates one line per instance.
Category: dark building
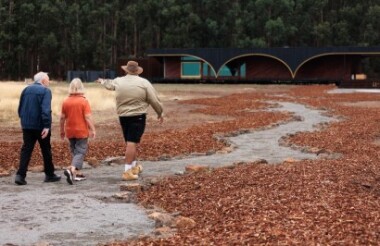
(340, 65)
(90, 76)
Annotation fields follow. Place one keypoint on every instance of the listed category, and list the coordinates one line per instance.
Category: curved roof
(292, 57)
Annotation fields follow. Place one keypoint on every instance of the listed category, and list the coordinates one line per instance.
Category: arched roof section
(371, 53)
(256, 54)
(184, 54)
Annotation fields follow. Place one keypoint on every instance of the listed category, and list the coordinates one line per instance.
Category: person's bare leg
(130, 156)
(130, 152)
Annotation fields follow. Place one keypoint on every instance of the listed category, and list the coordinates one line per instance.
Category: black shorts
(133, 127)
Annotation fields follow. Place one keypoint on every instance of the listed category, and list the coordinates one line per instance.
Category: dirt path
(82, 214)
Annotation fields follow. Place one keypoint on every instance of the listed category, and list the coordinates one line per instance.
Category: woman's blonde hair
(76, 86)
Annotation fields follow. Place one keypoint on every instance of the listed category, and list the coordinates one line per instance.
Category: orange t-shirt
(75, 108)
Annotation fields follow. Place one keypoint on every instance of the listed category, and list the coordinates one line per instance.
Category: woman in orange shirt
(76, 125)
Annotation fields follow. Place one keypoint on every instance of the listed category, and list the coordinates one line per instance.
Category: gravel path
(82, 214)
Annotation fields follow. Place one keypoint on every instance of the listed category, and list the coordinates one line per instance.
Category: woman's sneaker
(79, 178)
(69, 176)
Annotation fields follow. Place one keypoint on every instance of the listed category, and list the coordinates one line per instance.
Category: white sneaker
(79, 178)
(69, 176)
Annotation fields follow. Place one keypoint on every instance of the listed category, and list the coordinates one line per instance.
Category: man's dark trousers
(30, 138)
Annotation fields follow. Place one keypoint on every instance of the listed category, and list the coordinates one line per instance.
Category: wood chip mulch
(320, 202)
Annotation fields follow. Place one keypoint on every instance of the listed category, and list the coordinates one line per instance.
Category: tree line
(62, 35)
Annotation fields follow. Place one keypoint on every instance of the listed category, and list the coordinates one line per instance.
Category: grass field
(99, 98)
(102, 100)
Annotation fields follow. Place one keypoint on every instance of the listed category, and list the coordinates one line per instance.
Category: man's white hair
(40, 76)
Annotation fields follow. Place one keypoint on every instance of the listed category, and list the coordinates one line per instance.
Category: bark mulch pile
(326, 202)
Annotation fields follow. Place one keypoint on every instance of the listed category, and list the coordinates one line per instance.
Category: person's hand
(44, 133)
(92, 134)
(160, 119)
(62, 135)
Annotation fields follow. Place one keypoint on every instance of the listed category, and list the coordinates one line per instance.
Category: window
(191, 69)
(207, 71)
(243, 70)
(225, 71)
(238, 71)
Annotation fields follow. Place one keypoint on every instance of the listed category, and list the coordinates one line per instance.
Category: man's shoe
(52, 178)
(137, 169)
(69, 176)
(128, 175)
(20, 180)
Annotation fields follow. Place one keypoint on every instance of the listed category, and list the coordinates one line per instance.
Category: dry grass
(100, 99)
(9, 99)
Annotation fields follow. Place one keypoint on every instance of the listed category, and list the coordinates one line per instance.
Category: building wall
(261, 67)
(152, 67)
(327, 67)
(172, 67)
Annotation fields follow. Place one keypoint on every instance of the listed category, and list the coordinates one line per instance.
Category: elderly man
(134, 94)
(35, 114)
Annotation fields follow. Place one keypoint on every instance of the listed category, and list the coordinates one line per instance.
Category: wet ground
(82, 214)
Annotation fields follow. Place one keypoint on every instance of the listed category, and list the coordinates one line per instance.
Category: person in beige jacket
(134, 95)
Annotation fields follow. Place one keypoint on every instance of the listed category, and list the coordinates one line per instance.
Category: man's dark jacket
(34, 109)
